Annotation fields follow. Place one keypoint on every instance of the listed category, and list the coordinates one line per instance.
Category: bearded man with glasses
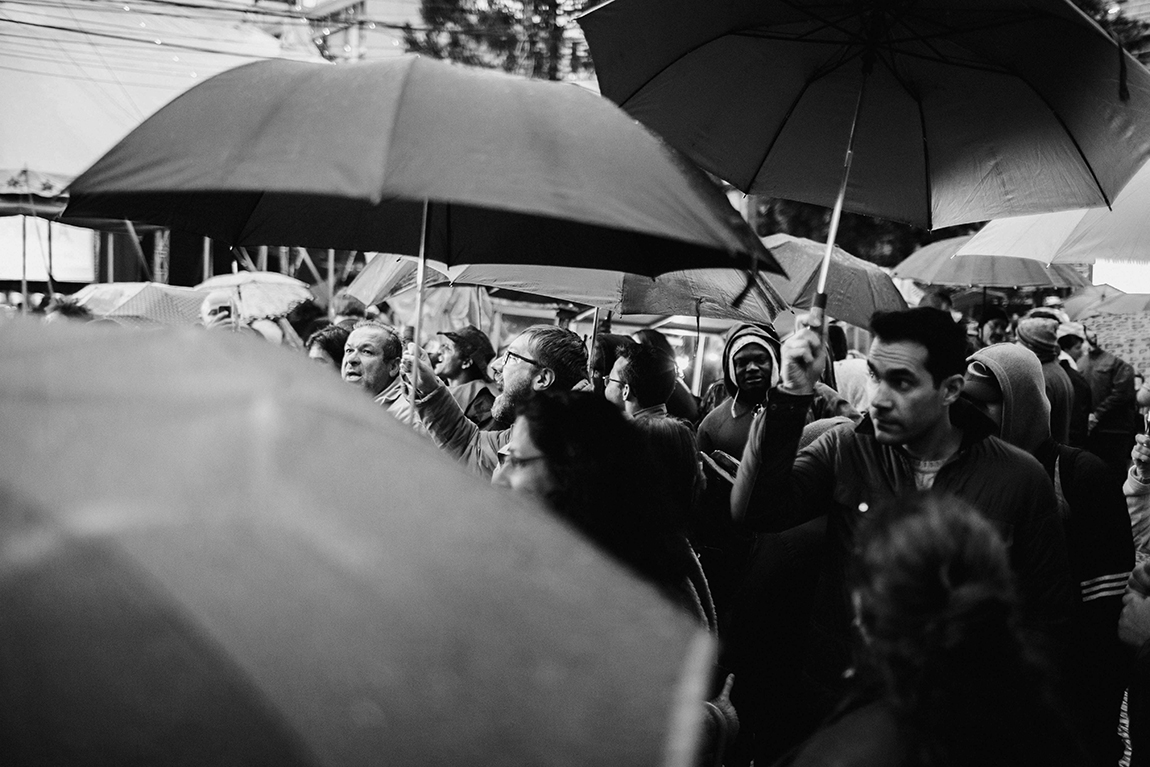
(541, 358)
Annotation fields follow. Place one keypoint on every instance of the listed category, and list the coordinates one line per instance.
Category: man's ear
(544, 379)
(466, 364)
(952, 388)
(626, 392)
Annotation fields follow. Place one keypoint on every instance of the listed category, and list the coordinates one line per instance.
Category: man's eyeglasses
(608, 379)
(508, 353)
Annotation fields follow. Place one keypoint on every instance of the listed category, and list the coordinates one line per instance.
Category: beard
(514, 394)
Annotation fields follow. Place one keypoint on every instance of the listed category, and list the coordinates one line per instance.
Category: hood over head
(1018, 373)
(763, 335)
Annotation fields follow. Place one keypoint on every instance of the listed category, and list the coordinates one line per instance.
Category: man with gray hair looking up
(371, 360)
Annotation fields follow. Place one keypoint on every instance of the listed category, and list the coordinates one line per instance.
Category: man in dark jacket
(918, 435)
(1006, 383)
(1115, 419)
(463, 360)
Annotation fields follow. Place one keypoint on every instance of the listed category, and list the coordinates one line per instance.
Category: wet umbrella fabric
(936, 264)
(216, 552)
(693, 292)
(515, 171)
(965, 111)
(856, 288)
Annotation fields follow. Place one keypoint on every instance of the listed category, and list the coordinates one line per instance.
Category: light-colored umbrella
(143, 303)
(261, 295)
(1080, 236)
(215, 552)
(1087, 298)
(695, 292)
(936, 264)
(856, 288)
(931, 113)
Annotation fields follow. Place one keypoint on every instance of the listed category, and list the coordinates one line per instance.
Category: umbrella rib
(791, 109)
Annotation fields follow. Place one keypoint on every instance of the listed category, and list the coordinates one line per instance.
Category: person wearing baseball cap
(464, 357)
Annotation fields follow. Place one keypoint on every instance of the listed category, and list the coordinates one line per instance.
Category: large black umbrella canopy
(967, 110)
(515, 171)
(215, 552)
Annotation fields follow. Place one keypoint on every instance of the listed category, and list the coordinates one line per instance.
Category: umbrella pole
(594, 343)
(816, 318)
(419, 286)
(24, 263)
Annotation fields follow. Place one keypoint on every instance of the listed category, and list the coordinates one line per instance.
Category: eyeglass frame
(508, 353)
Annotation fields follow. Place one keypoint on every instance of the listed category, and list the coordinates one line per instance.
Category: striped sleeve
(1113, 585)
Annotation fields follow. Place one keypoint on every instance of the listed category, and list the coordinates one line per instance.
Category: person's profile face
(522, 466)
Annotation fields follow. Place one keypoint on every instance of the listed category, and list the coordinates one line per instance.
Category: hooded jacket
(726, 427)
(1099, 543)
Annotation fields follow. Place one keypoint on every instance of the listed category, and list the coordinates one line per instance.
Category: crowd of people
(945, 564)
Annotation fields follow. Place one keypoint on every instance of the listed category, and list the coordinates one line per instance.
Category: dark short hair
(332, 339)
(392, 344)
(604, 479)
(650, 373)
(67, 306)
(347, 305)
(607, 347)
(944, 339)
(561, 351)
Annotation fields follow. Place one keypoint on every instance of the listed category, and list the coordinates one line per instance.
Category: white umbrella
(1080, 236)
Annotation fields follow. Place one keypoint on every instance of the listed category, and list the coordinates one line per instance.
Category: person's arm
(446, 424)
(829, 404)
(1137, 492)
(771, 488)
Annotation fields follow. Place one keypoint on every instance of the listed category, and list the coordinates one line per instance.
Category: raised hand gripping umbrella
(214, 552)
(933, 112)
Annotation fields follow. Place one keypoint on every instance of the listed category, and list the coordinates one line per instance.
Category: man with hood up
(1038, 332)
(1006, 382)
(750, 369)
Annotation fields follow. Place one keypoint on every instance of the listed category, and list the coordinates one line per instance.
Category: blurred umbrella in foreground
(213, 552)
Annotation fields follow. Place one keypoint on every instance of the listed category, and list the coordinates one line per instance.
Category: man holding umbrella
(918, 435)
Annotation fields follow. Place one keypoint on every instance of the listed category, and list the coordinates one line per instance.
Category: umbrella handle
(816, 318)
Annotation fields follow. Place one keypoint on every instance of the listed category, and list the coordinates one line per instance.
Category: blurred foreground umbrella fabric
(936, 264)
(1082, 301)
(261, 295)
(213, 552)
(959, 111)
(856, 288)
(693, 292)
(511, 170)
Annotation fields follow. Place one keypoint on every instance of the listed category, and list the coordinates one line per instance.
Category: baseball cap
(1075, 329)
(472, 343)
